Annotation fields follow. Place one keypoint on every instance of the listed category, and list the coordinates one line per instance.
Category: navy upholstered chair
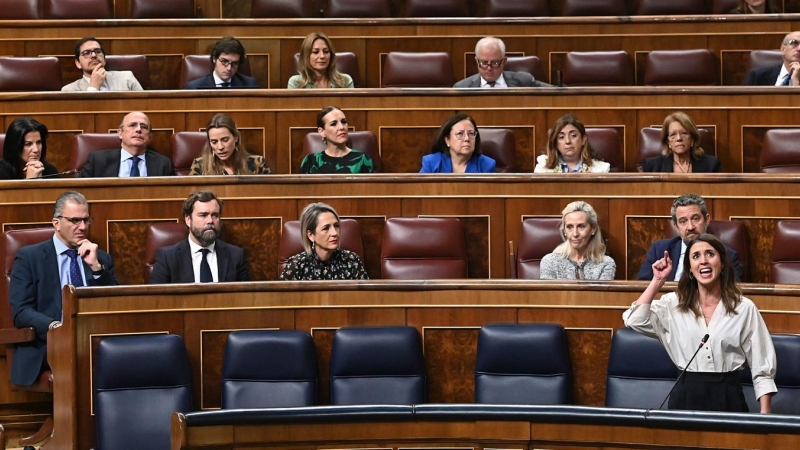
(269, 369)
(640, 373)
(139, 382)
(377, 365)
(524, 364)
(787, 400)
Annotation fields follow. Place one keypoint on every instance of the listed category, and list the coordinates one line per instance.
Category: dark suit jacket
(662, 163)
(174, 263)
(673, 246)
(238, 81)
(762, 76)
(513, 79)
(35, 297)
(105, 163)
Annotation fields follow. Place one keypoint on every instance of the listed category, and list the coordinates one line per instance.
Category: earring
(691, 276)
(325, 141)
(592, 234)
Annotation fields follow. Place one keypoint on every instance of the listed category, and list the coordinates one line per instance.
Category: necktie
(135, 166)
(786, 80)
(491, 83)
(74, 268)
(205, 269)
(226, 84)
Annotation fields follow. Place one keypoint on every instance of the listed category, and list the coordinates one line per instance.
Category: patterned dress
(353, 162)
(343, 265)
(256, 163)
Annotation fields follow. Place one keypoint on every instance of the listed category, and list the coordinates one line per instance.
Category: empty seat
(597, 69)
(680, 68)
(269, 369)
(523, 364)
(423, 248)
(517, 8)
(85, 143)
(640, 373)
(593, 8)
(292, 244)
(279, 9)
(670, 8)
(346, 62)
(538, 237)
(30, 74)
(437, 8)
(404, 70)
(160, 9)
(196, 66)
(779, 151)
(78, 9)
(787, 378)
(723, 6)
(764, 58)
(186, 146)
(733, 234)
(377, 365)
(785, 256)
(606, 145)
(146, 377)
(529, 64)
(20, 10)
(161, 234)
(363, 141)
(500, 145)
(358, 8)
(135, 63)
(650, 143)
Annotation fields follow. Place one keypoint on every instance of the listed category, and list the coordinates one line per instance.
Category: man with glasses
(40, 272)
(786, 74)
(133, 158)
(90, 58)
(490, 56)
(227, 57)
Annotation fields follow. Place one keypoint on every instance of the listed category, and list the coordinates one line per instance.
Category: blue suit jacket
(673, 246)
(238, 81)
(35, 297)
(440, 162)
(174, 263)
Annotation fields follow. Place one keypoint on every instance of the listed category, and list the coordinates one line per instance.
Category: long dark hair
(439, 145)
(15, 141)
(688, 292)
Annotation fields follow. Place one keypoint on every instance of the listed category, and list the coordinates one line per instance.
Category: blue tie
(135, 166)
(205, 269)
(74, 268)
(786, 80)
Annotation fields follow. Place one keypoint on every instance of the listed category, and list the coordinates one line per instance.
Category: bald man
(785, 74)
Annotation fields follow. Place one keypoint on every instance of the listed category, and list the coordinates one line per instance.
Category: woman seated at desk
(568, 150)
(680, 149)
(582, 254)
(224, 153)
(337, 156)
(457, 149)
(322, 259)
(318, 66)
(24, 151)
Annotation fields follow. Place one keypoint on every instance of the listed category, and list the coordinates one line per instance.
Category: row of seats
(94, 9)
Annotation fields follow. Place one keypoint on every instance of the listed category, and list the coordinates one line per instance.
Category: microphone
(702, 343)
(53, 175)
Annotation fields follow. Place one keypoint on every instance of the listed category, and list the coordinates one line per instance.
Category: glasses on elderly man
(792, 43)
(486, 64)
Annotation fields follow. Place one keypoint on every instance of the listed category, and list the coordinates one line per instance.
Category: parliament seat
(593, 8)
(764, 58)
(358, 8)
(733, 233)
(420, 70)
(196, 66)
(291, 242)
(20, 10)
(500, 145)
(529, 64)
(787, 377)
(517, 8)
(85, 143)
(779, 151)
(523, 364)
(135, 63)
(723, 6)
(186, 146)
(377, 365)
(606, 145)
(785, 256)
(346, 62)
(279, 9)
(437, 8)
(640, 373)
(695, 67)
(30, 74)
(269, 369)
(423, 248)
(670, 8)
(161, 234)
(363, 141)
(139, 381)
(538, 236)
(650, 143)
(78, 9)
(612, 68)
(161, 9)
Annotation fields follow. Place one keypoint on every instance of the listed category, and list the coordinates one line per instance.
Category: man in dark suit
(785, 74)
(202, 258)
(39, 273)
(490, 56)
(226, 56)
(133, 158)
(690, 217)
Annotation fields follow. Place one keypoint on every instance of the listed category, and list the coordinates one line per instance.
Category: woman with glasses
(582, 255)
(318, 66)
(568, 150)
(24, 151)
(680, 149)
(757, 7)
(457, 149)
(224, 153)
(337, 156)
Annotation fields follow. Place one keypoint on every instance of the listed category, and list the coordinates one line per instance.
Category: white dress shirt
(103, 87)
(500, 83)
(679, 267)
(125, 164)
(197, 257)
(782, 75)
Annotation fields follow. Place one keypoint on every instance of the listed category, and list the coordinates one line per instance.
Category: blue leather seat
(523, 364)
(269, 369)
(139, 382)
(787, 400)
(377, 365)
(640, 373)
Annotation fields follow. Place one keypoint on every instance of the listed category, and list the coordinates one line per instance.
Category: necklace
(681, 167)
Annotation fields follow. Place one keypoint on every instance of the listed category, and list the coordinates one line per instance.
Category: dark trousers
(709, 391)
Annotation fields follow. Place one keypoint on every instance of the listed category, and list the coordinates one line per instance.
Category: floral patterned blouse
(343, 265)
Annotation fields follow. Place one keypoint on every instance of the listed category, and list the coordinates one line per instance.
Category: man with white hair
(490, 56)
(786, 74)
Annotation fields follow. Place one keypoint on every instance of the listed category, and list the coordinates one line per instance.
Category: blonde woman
(318, 66)
(224, 153)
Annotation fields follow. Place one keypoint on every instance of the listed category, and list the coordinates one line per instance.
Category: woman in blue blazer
(457, 149)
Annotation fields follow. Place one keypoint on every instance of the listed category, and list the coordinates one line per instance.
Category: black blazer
(762, 76)
(35, 298)
(174, 263)
(105, 163)
(238, 81)
(663, 163)
(673, 246)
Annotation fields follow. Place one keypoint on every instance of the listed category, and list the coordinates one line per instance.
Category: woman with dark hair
(224, 153)
(680, 148)
(24, 151)
(337, 156)
(568, 150)
(322, 258)
(457, 149)
(757, 7)
(707, 309)
(318, 66)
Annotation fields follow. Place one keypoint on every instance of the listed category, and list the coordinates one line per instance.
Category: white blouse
(733, 339)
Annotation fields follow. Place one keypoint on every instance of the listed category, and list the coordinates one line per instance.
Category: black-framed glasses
(486, 64)
(88, 52)
(793, 43)
(226, 63)
(462, 134)
(76, 220)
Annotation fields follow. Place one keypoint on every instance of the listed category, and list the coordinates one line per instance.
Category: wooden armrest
(17, 335)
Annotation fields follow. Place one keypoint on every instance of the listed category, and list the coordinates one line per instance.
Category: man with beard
(202, 258)
(90, 59)
(690, 217)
